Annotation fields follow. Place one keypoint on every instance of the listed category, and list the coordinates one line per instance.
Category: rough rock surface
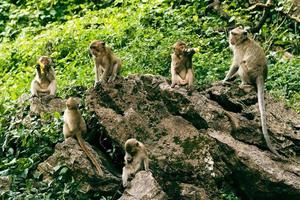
(71, 155)
(202, 141)
(46, 104)
(145, 187)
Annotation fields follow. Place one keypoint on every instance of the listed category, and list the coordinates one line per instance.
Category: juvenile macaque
(44, 82)
(135, 156)
(181, 65)
(75, 126)
(107, 65)
(250, 64)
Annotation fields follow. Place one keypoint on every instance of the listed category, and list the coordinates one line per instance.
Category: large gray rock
(204, 139)
(143, 187)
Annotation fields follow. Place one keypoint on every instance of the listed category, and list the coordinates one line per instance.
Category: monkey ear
(245, 33)
(102, 43)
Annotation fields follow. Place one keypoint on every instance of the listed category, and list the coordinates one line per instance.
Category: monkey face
(96, 47)
(72, 103)
(179, 48)
(44, 63)
(129, 158)
(237, 36)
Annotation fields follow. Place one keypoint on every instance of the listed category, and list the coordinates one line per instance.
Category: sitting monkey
(135, 156)
(181, 65)
(44, 82)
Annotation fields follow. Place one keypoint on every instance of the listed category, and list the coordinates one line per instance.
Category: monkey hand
(196, 50)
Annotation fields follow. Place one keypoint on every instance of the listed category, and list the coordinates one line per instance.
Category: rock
(46, 104)
(70, 154)
(205, 139)
(144, 186)
(191, 192)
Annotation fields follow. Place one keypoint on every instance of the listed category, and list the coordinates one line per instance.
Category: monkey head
(237, 36)
(97, 47)
(179, 47)
(44, 63)
(72, 103)
(132, 147)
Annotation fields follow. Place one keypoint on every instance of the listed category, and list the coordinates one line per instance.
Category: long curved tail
(261, 104)
(89, 154)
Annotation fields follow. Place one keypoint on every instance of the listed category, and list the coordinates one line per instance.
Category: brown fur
(44, 82)
(181, 65)
(107, 65)
(135, 156)
(75, 126)
(250, 64)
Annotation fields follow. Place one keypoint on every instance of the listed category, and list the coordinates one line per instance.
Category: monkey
(44, 82)
(75, 126)
(250, 64)
(181, 65)
(135, 155)
(107, 65)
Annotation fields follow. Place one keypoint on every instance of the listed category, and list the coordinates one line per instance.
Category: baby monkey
(44, 82)
(75, 126)
(181, 65)
(135, 156)
(107, 65)
(250, 64)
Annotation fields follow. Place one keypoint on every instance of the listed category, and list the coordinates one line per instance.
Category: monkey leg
(177, 80)
(52, 87)
(66, 131)
(36, 89)
(114, 73)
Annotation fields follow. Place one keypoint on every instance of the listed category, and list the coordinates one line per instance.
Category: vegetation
(141, 33)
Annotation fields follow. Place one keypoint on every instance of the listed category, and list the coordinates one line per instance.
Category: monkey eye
(233, 33)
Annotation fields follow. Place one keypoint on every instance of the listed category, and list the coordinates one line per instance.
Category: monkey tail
(262, 110)
(89, 154)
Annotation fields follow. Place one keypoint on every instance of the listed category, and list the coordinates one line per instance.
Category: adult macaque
(181, 65)
(107, 65)
(135, 156)
(44, 82)
(250, 64)
(75, 126)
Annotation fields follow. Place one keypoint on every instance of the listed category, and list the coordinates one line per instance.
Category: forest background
(141, 33)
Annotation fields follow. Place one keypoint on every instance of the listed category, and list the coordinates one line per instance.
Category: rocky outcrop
(202, 141)
(145, 187)
(69, 154)
(46, 104)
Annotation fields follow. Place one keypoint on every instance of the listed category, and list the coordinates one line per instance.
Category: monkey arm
(146, 163)
(190, 77)
(34, 88)
(233, 69)
(189, 52)
(98, 71)
(125, 173)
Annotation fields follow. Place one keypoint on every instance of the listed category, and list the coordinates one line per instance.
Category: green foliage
(141, 33)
